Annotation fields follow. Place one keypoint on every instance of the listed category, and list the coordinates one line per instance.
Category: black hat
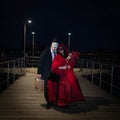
(55, 40)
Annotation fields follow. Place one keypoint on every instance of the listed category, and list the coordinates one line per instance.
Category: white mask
(54, 46)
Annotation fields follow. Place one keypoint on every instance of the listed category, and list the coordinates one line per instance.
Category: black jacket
(44, 63)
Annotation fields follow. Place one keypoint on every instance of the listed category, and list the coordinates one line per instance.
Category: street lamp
(33, 34)
(69, 34)
(29, 21)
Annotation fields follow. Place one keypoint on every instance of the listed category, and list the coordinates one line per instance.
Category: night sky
(94, 24)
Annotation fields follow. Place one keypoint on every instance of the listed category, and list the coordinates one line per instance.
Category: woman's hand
(68, 66)
(62, 67)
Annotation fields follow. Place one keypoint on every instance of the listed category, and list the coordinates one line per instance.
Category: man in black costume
(44, 66)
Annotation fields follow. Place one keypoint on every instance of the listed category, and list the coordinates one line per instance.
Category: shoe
(48, 106)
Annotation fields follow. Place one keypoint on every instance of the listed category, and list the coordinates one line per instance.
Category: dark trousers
(46, 90)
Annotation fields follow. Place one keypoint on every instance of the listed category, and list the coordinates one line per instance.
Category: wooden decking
(22, 102)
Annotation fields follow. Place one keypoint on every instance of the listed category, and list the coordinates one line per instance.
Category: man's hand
(39, 76)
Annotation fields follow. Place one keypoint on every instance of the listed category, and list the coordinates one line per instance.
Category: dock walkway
(22, 102)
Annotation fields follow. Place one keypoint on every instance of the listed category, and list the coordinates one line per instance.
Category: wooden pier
(20, 101)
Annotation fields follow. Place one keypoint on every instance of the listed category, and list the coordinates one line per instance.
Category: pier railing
(10, 71)
(106, 76)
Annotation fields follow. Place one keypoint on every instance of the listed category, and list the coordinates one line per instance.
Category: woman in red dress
(67, 89)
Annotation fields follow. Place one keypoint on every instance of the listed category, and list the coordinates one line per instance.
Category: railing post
(18, 69)
(111, 79)
(93, 72)
(24, 63)
(20, 66)
(82, 66)
(87, 70)
(100, 74)
(8, 74)
(14, 71)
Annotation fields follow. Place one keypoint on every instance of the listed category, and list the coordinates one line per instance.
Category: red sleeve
(58, 61)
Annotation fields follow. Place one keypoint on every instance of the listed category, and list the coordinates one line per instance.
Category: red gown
(67, 90)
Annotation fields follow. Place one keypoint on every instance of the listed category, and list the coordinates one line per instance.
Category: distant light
(33, 33)
(69, 33)
(29, 21)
